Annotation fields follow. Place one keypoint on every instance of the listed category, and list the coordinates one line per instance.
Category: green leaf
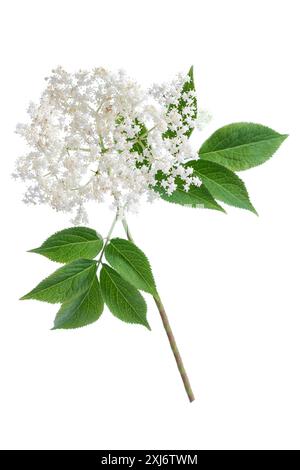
(66, 282)
(241, 145)
(197, 197)
(123, 300)
(70, 244)
(81, 310)
(222, 183)
(188, 86)
(131, 263)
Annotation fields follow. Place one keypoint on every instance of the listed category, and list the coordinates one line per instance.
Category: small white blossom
(203, 118)
(97, 134)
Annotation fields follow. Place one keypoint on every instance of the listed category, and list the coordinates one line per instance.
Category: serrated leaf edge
(84, 296)
(26, 296)
(251, 208)
(145, 324)
(151, 291)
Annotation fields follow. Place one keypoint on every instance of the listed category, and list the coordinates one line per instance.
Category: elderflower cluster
(97, 135)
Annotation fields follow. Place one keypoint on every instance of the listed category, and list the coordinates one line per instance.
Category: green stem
(108, 237)
(169, 332)
(81, 149)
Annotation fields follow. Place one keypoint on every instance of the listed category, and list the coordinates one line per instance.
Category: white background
(230, 283)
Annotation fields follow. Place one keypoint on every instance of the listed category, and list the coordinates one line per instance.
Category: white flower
(97, 135)
(203, 118)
